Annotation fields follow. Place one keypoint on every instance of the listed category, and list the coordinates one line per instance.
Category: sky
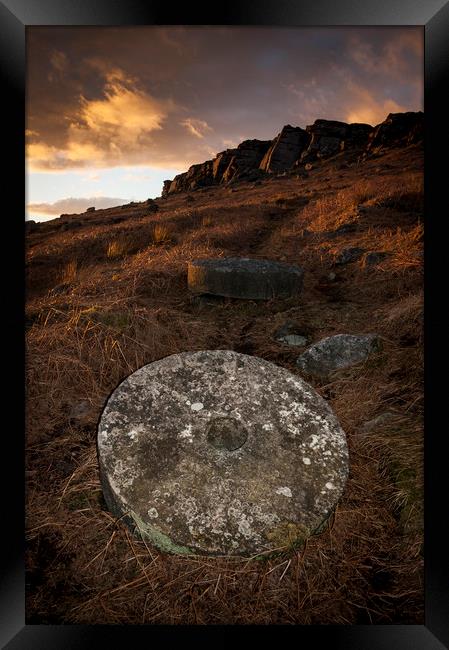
(112, 112)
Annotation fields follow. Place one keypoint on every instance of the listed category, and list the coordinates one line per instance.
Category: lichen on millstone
(242, 277)
(220, 453)
(337, 352)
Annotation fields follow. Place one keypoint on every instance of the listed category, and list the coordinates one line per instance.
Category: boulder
(399, 129)
(215, 453)
(285, 149)
(241, 277)
(336, 352)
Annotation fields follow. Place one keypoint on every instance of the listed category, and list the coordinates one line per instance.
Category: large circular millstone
(241, 277)
(220, 453)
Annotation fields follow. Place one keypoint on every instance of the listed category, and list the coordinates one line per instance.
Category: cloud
(105, 131)
(75, 205)
(198, 128)
(132, 96)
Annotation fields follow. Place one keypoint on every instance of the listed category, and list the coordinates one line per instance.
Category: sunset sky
(113, 112)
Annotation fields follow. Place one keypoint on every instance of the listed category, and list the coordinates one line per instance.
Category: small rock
(331, 276)
(380, 419)
(336, 352)
(92, 209)
(80, 411)
(349, 255)
(293, 339)
(308, 167)
(289, 334)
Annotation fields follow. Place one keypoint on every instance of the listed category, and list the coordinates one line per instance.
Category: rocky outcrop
(328, 137)
(295, 147)
(399, 129)
(242, 162)
(285, 149)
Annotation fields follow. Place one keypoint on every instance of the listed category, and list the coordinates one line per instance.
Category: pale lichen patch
(284, 490)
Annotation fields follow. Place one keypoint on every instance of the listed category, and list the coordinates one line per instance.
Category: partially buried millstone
(220, 453)
(242, 277)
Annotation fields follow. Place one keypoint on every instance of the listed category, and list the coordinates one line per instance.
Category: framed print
(231, 360)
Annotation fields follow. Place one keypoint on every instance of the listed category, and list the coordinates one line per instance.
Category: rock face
(336, 352)
(399, 129)
(328, 137)
(242, 162)
(219, 453)
(241, 277)
(285, 149)
(295, 147)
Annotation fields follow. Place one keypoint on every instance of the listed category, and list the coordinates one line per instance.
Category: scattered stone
(371, 259)
(379, 420)
(80, 411)
(220, 453)
(349, 255)
(336, 352)
(241, 277)
(289, 333)
(294, 339)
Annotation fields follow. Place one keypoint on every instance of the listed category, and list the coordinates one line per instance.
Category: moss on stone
(158, 538)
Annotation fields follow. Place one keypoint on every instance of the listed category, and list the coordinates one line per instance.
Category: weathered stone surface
(285, 149)
(220, 453)
(399, 129)
(230, 165)
(336, 352)
(241, 277)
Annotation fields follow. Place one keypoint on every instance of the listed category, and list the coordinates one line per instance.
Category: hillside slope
(106, 293)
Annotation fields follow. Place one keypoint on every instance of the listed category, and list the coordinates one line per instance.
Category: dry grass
(124, 304)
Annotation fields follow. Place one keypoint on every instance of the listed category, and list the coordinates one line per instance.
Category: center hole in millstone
(226, 433)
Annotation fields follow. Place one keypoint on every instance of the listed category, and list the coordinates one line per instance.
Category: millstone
(241, 277)
(220, 453)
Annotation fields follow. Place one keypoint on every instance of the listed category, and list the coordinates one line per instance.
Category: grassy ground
(109, 296)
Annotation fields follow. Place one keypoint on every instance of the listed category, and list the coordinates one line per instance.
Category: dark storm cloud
(173, 96)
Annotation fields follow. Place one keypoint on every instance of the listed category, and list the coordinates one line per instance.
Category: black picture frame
(433, 15)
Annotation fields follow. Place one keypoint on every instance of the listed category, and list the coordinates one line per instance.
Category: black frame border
(433, 16)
